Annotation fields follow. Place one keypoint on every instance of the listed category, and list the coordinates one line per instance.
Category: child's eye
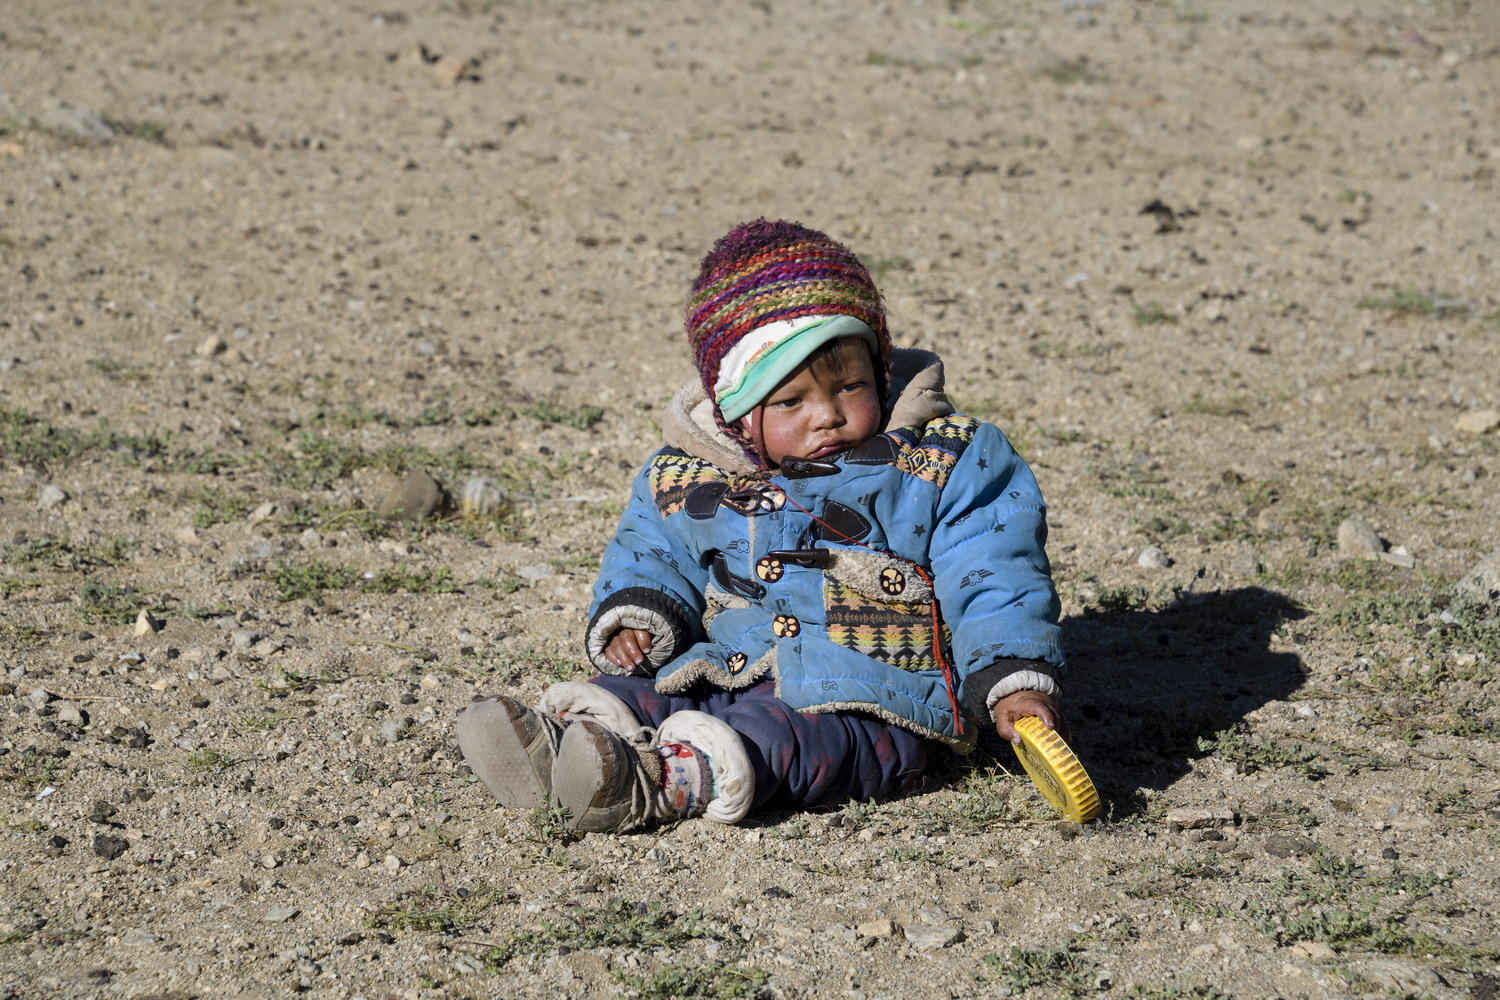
(786, 404)
(856, 386)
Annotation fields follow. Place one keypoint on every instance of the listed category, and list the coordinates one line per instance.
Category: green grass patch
(1150, 314)
(1252, 753)
(311, 580)
(579, 418)
(678, 979)
(617, 923)
(1409, 302)
(393, 581)
(111, 603)
(435, 910)
(1057, 969)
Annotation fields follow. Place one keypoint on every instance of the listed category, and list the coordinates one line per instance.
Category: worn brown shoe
(510, 748)
(607, 783)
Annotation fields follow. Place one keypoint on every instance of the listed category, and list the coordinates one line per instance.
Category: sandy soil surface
(1225, 271)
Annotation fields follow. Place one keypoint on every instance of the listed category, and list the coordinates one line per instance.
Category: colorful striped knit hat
(767, 296)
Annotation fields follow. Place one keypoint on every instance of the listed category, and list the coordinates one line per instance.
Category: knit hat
(767, 296)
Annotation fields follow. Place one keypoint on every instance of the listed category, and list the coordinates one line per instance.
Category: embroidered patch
(933, 455)
(894, 632)
(674, 476)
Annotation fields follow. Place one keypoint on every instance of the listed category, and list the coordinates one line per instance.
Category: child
(823, 579)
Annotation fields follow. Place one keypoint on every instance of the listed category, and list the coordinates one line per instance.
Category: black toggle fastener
(809, 558)
(806, 468)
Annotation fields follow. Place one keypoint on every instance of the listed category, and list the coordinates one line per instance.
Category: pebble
(1153, 557)
(147, 624)
(415, 497)
(280, 914)
(1399, 555)
(1357, 540)
(40, 697)
(537, 572)
(933, 938)
(137, 936)
(51, 496)
(243, 638)
(1200, 817)
(1482, 583)
(110, 847)
(211, 347)
(877, 928)
(393, 863)
(72, 715)
(1402, 977)
(1281, 845)
(81, 123)
(1313, 950)
(1245, 565)
(187, 536)
(1306, 712)
(480, 496)
(264, 512)
(393, 729)
(1478, 421)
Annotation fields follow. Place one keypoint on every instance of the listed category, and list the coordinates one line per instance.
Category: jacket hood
(916, 396)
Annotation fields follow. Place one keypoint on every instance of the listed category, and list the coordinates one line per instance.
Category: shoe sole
(582, 778)
(493, 749)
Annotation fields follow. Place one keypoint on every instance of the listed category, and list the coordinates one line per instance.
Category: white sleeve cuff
(631, 616)
(1021, 680)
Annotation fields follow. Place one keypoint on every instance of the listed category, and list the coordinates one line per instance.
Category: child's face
(820, 409)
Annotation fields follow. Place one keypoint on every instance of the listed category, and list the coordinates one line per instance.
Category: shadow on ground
(1145, 686)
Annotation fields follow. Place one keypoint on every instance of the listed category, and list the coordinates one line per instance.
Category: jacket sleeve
(649, 579)
(991, 575)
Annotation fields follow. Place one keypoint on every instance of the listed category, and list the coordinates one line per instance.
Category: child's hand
(628, 649)
(1020, 704)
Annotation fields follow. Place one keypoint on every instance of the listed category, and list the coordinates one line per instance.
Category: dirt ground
(1224, 271)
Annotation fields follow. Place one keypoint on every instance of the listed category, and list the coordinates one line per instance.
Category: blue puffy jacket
(823, 576)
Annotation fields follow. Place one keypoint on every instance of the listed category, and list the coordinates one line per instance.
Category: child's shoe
(607, 782)
(510, 748)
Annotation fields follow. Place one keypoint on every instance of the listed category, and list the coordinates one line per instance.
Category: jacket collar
(916, 397)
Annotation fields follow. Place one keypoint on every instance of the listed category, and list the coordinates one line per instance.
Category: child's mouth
(831, 448)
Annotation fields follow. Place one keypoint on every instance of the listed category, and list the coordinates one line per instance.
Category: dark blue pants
(801, 759)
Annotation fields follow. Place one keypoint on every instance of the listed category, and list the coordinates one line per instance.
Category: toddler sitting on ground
(824, 579)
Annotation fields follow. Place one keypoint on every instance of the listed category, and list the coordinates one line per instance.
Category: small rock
(1399, 555)
(264, 512)
(80, 123)
(1313, 950)
(1306, 712)
(537, 572)
(110, 847)
(393, 863)
(925, 938)
(187, 536)
(430, 681)
(415, 497)
(211, 347)
(242, 639)
(147, 624)
(280, 914)
(51, 496)
(1478, 421)
(392, 730)
(270, 861)
(1153, 557)
(72, 715)
(451, 69)
(479, 497)
(137, 936)
(877, 928)
(1482, 583)
(1200, 817)
(1401, 977)
(1245, 565)
(1281, 845)
(1357, 540)
(39, 697)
